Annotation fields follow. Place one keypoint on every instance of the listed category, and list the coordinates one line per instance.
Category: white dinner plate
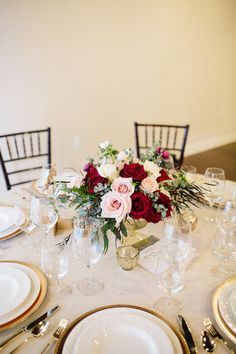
(15, 287)
(8, 217)
(29, 299)
(122, 330)
(225, 307)
(232, 301)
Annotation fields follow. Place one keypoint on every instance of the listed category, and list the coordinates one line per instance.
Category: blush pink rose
(115, 205)
(123, 186)
(149, 184)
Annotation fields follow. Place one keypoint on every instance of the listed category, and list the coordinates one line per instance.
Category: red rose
(93, 178)
(165, 200)
(153, 216)
(163, 177)
(134, 170)
(140, 205)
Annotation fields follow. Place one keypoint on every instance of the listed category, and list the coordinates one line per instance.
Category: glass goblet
(170, 278)
(87, 247)
(214, 186)
(24, 221)
(43, 214)
(55, 264)
(224, 247)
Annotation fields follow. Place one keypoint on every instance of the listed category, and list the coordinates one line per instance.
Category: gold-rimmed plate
(11, 229)
(144, 321)
(33, 306)
(223, 324)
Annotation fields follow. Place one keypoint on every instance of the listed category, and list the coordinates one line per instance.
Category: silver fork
(215, 334)
(55, 336)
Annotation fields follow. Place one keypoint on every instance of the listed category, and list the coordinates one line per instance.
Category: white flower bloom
(108, 171)
(104, 145)
(151, 168)
(123, 156)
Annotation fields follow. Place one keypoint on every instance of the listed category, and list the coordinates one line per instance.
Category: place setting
(8, 227)
(23, 289)
(121, 329)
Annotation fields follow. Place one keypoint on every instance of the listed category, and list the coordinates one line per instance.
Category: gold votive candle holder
(127, 257)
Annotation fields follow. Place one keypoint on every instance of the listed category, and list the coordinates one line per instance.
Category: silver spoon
(208, 343)
(36, 332)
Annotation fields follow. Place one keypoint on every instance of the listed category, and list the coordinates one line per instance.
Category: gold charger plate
(36, 304)
(12, 234)
(216, 311)
(62, 339)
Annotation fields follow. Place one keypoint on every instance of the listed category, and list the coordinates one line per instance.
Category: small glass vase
(166, 163)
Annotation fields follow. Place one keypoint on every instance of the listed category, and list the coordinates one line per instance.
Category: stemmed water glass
(43, 214)
(214, 186)
(24, 221)
(55, 264)
(87, 247)
(170, 278)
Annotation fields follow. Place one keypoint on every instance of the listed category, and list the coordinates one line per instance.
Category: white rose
(122, 156)
(104, 145)
(107, 171)
(151, 168)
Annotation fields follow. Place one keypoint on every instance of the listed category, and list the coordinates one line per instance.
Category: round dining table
(136, 287)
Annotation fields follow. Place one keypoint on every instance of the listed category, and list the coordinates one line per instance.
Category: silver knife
(47, 314)
(188, 335)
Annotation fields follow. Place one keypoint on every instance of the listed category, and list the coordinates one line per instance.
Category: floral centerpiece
(118, 186)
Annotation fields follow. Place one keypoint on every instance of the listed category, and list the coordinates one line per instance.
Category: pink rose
(115, 205)
(149, 184)
(123, 186)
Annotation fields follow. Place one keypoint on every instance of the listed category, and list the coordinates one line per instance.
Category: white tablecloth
(136, 287)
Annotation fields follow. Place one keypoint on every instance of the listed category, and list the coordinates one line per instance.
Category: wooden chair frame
(165, 143)
(17, 156)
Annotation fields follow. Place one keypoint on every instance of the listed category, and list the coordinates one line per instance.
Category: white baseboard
(209, 144)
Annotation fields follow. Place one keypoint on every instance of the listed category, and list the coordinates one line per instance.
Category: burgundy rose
(153, 216)
(140, 205)
(165, 200)
(163, 177)
(165, 154)
(93, 178)
(88, 166)
(134, 170)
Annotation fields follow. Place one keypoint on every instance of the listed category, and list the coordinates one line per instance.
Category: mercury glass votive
(127, 257)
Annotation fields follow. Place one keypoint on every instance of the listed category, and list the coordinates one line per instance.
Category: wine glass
(87, 247)
(177, 231)
(214, 186)
(43, 214)
(224, 247)
(24, 221)
(48, 175)
(170, 278)
(191, 172)
(55, 264)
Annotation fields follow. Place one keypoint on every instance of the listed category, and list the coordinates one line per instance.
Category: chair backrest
(171, 137)
(22, 153)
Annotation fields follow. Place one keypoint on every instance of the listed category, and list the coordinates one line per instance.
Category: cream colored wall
(89, 69)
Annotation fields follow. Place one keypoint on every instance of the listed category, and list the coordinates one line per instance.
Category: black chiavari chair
(171, 138)
(23, 153)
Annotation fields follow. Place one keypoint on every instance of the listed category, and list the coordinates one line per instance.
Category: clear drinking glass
(214, 186)
(24, 221)
(224, 248)
(170, 278)
(48, 174)
(55, 264)
(87, 247)
(43, 214)
(191, 172)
